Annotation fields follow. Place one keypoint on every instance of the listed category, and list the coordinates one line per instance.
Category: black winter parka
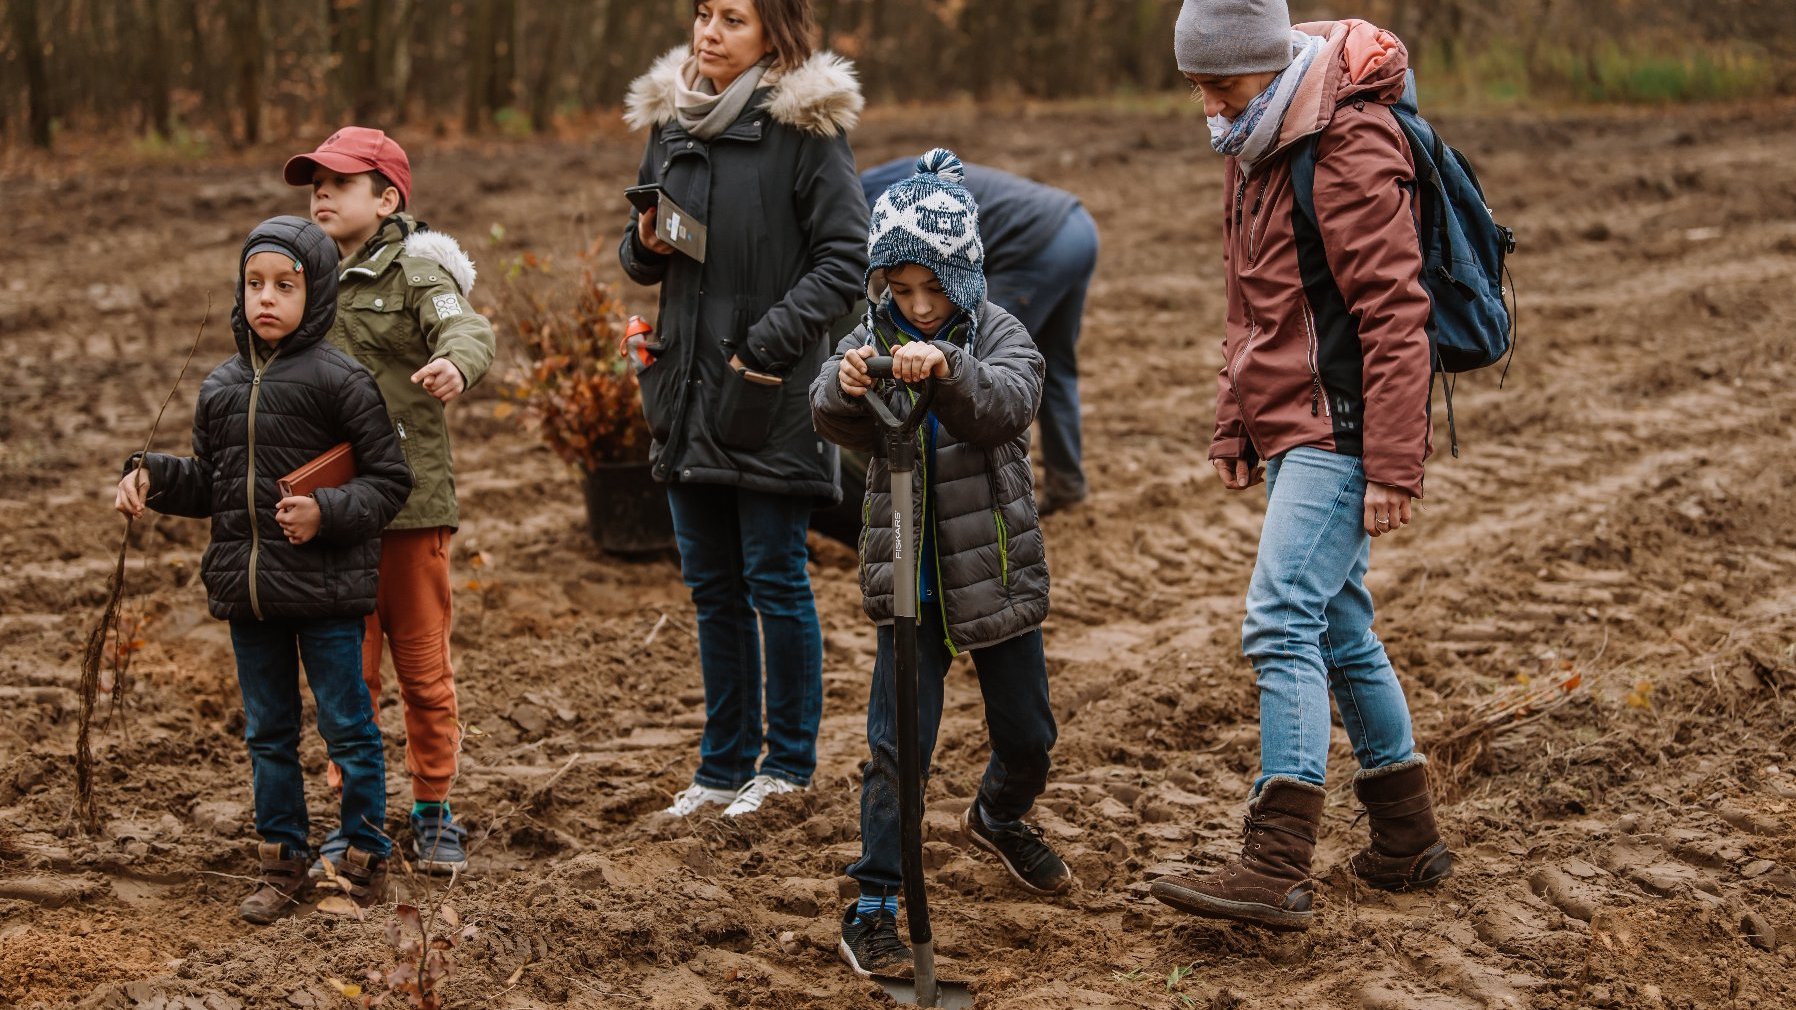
(786, 256)
(261, 415)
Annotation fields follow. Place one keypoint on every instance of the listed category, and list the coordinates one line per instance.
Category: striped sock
(420, 808)
(870, 905)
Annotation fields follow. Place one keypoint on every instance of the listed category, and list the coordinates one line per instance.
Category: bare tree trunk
(31, 54)
(503, 44)
(157, 71)
(244, 18)
(399, 58)
(478, 62)
(552, 30)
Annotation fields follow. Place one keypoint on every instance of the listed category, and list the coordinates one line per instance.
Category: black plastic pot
(626, 509)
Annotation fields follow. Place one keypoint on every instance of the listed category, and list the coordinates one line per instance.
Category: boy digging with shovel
(982, 578)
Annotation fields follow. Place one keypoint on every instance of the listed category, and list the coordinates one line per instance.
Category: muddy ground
(1622, 515)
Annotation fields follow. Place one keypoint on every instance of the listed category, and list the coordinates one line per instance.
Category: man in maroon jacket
(1323, 391)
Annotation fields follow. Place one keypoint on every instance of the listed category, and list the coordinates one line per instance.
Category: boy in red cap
(403, 311)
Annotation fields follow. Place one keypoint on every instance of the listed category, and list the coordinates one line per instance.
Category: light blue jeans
(1309, 623)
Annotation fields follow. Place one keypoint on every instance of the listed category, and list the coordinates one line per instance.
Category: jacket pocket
(659, 386)
(746, 409)
(1003, 547)
(408, 446)
(376, 324)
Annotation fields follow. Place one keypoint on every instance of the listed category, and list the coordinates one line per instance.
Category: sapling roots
(96, 653)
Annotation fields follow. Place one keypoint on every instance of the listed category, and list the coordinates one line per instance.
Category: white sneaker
(758, 789)
(695, 797)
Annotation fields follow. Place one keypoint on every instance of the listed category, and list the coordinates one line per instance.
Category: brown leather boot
(282, 886)
(1268, 884)
(361, 877)
(1406, 852)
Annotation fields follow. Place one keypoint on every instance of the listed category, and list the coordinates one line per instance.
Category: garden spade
(898, 443)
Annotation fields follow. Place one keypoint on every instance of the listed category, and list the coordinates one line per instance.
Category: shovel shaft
(910, 763)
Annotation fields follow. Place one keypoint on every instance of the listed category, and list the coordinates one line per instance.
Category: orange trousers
(412, 615)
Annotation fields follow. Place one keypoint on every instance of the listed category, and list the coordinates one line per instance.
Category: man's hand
(645, 233)
(919, 360)
(441, 379)
(1237, 474)
(852, 375)
(133, 491)
(1387, 509)
(299, 518)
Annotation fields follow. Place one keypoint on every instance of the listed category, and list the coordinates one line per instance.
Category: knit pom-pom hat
(931, 220)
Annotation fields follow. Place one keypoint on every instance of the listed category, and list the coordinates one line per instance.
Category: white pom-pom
(942, 163)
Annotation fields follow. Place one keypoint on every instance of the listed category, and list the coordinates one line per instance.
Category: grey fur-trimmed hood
(822, 95)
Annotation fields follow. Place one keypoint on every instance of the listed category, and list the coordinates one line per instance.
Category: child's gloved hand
(852, 375)
(132, 492)
(919, 360)
(441, 379)
(299, 518)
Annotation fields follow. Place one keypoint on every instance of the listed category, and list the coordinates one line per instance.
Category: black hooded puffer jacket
(260, 416)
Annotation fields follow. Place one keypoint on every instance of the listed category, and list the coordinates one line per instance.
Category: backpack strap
(1426, 162)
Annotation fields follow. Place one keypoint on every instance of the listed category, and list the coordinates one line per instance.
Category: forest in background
(197, 72)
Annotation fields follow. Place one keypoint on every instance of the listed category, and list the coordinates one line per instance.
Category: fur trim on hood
(822, 95)
(443, 250)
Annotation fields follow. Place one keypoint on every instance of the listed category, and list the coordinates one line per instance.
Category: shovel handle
(880, 367)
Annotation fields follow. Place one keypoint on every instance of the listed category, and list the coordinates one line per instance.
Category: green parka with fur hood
(402, 303)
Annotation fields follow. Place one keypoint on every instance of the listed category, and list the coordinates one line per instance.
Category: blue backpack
(1470, 325)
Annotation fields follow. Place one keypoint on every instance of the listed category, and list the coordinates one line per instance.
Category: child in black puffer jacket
(295, 576)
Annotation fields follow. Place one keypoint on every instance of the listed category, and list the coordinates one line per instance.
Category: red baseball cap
(356, 149)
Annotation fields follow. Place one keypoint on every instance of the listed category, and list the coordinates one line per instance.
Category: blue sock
(420, 808)
(871, 904)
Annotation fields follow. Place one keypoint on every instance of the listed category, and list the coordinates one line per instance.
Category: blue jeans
(1013, 677)
(1047, 295)
(1309, 623)
(268, 658)
(743, 555)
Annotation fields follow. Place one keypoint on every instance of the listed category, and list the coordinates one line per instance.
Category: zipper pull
(399, 427)
(1316, 400)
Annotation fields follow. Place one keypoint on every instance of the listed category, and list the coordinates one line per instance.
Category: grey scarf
(705, 113)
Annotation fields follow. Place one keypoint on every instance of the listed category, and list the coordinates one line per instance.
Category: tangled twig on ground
(95, 655)
(1454, 750)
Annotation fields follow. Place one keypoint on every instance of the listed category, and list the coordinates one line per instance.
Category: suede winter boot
(281, 888)
(362, 878)
(1406, 852)
(1268, 884)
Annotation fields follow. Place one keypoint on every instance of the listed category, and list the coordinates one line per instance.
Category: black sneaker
(1021, 849)
(870, 946)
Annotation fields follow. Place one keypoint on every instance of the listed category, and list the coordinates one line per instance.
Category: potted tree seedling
(575, 390)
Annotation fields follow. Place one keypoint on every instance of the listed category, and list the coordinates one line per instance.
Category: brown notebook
(334, 468)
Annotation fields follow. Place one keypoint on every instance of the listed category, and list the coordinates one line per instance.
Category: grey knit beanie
(1222, 38)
